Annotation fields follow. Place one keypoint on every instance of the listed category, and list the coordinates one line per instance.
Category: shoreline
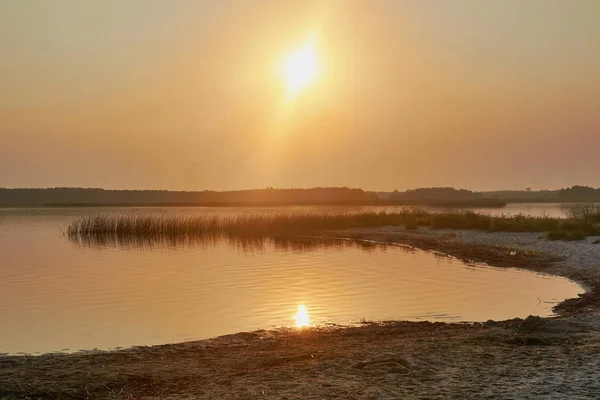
(549, 357)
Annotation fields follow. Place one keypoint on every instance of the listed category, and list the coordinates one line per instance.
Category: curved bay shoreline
(575, 260)
(514, 359)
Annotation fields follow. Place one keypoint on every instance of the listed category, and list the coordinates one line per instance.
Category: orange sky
(185, 94)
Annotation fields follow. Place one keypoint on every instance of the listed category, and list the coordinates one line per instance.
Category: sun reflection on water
(301, 316)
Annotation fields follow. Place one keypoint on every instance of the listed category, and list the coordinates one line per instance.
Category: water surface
(56, 295)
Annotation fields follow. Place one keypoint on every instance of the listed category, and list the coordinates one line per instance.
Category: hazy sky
(189, 94)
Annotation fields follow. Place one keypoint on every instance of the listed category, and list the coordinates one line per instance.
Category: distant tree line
(83, 196)
(435, 196)
(439, 195)
(579, 193)
(436, 193)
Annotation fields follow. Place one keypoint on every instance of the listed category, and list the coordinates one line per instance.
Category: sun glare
(301, 316)
(300, 68)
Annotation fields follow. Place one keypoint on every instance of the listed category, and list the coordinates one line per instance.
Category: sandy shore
(535, 358)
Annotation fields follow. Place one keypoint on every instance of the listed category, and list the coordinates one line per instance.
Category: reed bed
(238, 225)
(254, 244)
(588, 212)
(579, 224)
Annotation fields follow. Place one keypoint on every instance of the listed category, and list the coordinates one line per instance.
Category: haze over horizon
(224, 95)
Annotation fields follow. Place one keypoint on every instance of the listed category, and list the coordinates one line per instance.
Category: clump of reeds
(246, 225)
(578, 224)
(582, 221)
(254, 244)
(588, 212)
(566, 235)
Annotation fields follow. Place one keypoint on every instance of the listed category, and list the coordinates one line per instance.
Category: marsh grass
(588, 212)
(566, 235)
(254, 244)
(578, 225)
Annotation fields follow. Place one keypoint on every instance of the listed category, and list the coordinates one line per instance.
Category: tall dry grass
(580, 222)
(587, 212)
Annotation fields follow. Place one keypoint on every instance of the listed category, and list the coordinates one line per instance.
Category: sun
(301, 316)
(300, 68)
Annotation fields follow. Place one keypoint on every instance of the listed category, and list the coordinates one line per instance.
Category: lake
(57, 295)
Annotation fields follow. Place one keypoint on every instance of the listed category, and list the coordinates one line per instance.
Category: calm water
(56, 295)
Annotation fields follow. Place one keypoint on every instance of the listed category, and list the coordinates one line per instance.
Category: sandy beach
(535, 358)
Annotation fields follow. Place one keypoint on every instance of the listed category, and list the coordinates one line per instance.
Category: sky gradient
(185, 95)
